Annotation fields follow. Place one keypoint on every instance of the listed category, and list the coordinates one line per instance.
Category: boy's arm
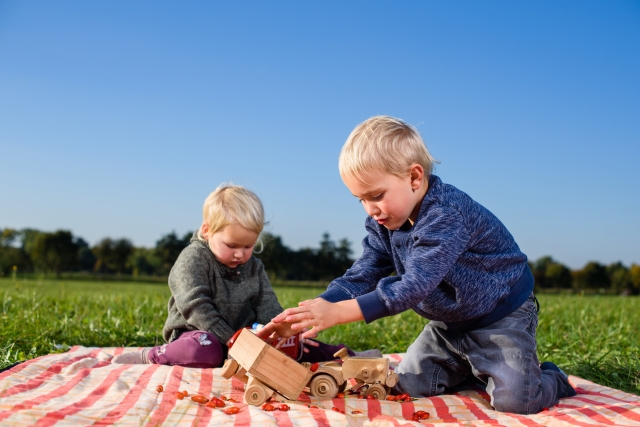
(192, 294)
(435, 250)
(363, 276)
(337, 304)
(315, 315)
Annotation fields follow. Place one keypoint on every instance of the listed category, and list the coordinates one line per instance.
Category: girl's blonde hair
(232, 204)
(385, 144)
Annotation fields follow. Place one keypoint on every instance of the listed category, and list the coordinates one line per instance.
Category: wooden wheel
(256, 395)
(377, 391)
(323, 386)
(391, 380)
(229, 368)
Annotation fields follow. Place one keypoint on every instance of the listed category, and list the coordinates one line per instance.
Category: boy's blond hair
(385, 144)
(232, 204)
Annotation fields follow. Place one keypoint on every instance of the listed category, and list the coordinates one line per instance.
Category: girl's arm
(265, 304)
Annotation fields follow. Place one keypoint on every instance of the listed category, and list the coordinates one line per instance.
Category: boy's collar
(433, 181)
(408, 225)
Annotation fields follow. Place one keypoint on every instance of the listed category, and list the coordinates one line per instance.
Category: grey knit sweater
(206, 295)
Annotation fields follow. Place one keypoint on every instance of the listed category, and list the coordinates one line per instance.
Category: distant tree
(325, 263)
(619, 277)
(10, 257)
(8, 236)
(112, 256)
(592, 276)
(143, 261)
(86, 258)
(344, 252)
(549, 273)
(28, 237)
(334, 259)
(558, 276)
(167, 250)
(122, 250)
(634, 273)
(275, 256)
(327, 246)
(10, 254)
(55, 251)
(539, 270)
(102, 251)
(303, 265)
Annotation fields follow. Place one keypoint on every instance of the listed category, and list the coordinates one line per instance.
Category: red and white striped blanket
(81, 387)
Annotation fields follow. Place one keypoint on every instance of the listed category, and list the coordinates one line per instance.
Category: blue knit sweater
(457, 264)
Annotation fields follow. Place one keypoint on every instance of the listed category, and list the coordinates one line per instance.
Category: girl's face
(233, 245)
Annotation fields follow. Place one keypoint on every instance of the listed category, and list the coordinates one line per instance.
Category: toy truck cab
(372, 376)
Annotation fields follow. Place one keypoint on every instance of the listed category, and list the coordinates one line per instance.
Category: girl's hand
(308, 342)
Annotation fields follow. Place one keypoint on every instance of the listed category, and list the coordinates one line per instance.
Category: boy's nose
(372, 209)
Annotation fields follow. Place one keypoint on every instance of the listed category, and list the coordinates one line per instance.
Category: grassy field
(594, 337)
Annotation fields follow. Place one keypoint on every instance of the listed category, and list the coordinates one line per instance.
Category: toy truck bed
(270, 366)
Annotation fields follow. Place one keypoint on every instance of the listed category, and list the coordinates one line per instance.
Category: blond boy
(455, 263)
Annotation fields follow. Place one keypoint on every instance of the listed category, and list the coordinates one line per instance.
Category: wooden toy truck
(372, 375)
(273, 373)
(271, 370)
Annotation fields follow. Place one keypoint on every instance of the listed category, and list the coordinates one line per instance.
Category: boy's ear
(416, 174)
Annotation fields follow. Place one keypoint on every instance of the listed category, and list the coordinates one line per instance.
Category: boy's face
(389, 199)
(233, 245)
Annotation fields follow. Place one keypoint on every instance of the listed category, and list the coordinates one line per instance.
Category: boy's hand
(274, 331)
(318, 314)
(279, 330)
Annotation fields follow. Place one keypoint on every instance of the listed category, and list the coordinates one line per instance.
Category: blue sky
(118, 118)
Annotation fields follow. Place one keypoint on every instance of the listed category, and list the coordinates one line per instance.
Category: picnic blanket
(81, 387)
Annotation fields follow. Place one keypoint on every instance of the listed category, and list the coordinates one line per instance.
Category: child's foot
(132, 358)
(565, 389)
(369, 353)
(553, 367)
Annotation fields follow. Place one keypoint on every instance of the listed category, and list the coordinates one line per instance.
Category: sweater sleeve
(435, 249)
(266, 303)
(191, 288)
(363, 276)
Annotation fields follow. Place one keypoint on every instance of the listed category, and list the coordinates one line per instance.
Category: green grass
(594, 337)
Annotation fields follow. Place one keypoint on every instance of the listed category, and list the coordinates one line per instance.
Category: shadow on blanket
(81, 387)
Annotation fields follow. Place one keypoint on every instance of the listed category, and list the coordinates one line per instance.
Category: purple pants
(200, 349)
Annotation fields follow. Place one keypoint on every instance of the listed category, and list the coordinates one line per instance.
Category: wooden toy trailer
(270, 370)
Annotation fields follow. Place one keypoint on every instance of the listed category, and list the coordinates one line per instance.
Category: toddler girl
(218, 287)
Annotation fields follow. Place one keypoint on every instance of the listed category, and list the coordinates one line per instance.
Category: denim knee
(512, 405)
(512, 401)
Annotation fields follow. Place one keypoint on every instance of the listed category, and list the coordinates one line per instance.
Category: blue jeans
(501, 355)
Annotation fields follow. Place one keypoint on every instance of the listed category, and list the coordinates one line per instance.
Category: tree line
(34, 251)
(615, 277)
